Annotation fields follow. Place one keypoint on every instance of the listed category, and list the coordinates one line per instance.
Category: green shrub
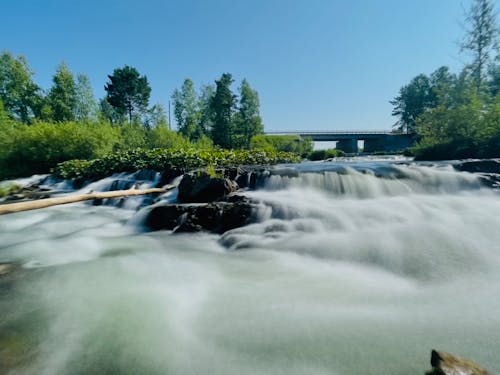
(286, 143)
(30, 149)
(325, 154)
(164, 159)
(162, 137)
(8, 188)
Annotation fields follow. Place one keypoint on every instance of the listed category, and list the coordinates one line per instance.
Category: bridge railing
(332, 132)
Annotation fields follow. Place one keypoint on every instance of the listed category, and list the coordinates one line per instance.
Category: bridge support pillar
(349, 146)
(374, 144)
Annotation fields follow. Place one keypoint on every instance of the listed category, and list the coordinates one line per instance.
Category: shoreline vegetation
(457, 115)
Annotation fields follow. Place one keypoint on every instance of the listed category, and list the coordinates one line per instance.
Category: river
(361, 267)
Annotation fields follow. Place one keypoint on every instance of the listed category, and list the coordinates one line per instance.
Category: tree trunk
(42, 203)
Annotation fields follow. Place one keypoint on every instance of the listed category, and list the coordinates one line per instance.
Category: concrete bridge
(347, 141)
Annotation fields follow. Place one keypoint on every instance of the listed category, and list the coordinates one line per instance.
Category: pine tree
(249, 122)
(481, 39)
(62, 96)
(222, 106)
(128, 92)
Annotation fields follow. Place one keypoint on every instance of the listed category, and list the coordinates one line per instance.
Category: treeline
(217, 113)
(40, 129)
(452, 115)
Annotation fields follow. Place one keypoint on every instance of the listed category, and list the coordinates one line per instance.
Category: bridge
(347, 141)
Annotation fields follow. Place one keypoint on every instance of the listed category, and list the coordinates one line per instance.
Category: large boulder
(200, 187)
(479, 166)
(448, 364)
(215, 217)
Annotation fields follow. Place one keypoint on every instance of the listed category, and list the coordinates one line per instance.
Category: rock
(479, 166)
(164, 216)
(488, 171)
(448, 364)
(201, 187)
(6, 268)
(168, 175)
(215, 217)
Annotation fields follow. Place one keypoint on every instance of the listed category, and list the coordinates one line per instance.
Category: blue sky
(317, 64)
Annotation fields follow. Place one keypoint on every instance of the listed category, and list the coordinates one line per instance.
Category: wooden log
(48, 202)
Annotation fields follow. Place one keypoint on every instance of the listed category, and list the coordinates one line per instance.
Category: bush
(30, 149)
(325, 154)
(286, 143)
(164, 159)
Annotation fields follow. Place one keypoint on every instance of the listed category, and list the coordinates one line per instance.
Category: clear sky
(317, 64)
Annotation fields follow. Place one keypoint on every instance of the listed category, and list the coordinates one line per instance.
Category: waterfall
(352, 268)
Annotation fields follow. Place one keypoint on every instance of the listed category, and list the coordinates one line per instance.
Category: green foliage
(207, 92)
(85, 105)
(155, 117)
(186, 110)
(458, 117)
(62, 96)
(222, 107)
(162, 137)
(164, 159)
(9, 188)
(25, 150)
(128, 92)
(468, 130)
(325, 154)
(21, 97)
(248, 122)
(286, 143)
(481, 39)
(420, 95)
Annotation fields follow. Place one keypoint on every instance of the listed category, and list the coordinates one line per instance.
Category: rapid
(354, 267)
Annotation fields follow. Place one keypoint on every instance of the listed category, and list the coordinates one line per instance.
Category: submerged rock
(448, 364)
(215, 217)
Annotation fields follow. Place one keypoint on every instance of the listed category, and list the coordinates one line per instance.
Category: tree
(412, 101)
(21, 97)
(155, 117)
(62, 96)
(85, 104)
(186, 110)
(107, 112)
(207, 93)
(128, 92)
(481, 39)
(222, 106)
(249, 122)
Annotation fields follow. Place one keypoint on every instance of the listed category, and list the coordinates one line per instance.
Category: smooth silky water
(353, 268)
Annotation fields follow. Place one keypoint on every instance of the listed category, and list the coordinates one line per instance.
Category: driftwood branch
(48, 202)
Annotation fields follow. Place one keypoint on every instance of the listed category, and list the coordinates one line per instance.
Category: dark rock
(14, 197)
(448, 364)
(215, 217)
(168, 175)
(201, 187)
(479, 166)
(164, 216)
(488, 171)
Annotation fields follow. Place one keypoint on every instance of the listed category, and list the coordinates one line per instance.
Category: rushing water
(353, 268)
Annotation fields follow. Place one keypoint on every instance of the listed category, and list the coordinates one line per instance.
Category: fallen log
(10, 208)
